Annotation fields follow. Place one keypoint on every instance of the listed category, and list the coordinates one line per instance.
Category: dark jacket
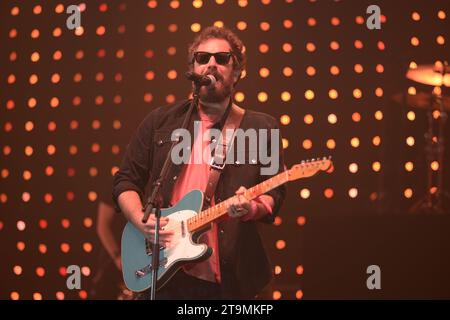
(245, 268)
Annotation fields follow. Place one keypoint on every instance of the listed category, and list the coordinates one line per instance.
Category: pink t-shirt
(195, 176)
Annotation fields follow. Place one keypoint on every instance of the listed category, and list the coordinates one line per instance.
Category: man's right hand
(131, 206)
(148, 228)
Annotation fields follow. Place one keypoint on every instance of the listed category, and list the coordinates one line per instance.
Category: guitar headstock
(309, 168)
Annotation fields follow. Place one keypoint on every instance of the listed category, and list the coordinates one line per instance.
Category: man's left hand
(241, 205)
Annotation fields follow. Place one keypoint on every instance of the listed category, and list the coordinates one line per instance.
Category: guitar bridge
(148, 268)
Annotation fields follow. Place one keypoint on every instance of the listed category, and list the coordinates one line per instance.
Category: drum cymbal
(430, 75)
(421, 100)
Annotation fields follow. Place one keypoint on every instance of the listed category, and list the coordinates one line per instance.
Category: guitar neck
(211, 214)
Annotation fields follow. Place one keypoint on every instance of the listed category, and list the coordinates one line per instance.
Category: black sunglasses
(222, 58)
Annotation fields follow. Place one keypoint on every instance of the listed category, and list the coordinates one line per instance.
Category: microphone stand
(154, 200)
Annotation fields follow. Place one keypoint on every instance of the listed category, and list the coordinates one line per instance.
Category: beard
(216, 94)
(221, 90)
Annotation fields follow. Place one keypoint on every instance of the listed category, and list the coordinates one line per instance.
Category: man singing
(238, 267)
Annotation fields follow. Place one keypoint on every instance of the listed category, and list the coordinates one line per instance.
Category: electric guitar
(188, 222)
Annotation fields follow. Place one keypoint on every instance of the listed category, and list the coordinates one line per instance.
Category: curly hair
(213, 32)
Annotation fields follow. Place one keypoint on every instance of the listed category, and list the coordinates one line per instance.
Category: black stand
(435, 149)
(154, 201)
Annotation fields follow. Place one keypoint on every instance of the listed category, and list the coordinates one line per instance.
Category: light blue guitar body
(182, 249)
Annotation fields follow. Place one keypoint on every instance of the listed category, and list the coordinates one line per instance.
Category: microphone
(200, 80)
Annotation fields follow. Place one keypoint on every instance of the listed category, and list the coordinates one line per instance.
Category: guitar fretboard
(207, 216)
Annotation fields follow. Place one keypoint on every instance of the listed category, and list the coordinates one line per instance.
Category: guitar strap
(223, 147)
